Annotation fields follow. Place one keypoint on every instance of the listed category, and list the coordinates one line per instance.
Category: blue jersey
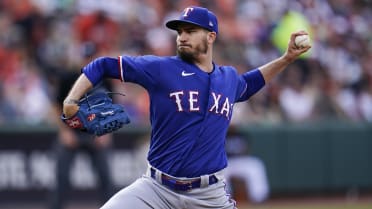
(190, 110)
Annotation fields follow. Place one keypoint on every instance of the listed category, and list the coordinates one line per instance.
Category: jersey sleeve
(102, 67)
(250, 83)
(143, 70)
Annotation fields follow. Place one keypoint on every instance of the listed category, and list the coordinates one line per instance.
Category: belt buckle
(188, 185)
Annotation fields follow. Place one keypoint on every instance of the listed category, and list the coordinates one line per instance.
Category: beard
(192, 55)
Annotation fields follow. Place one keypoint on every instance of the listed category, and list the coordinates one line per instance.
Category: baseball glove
(97, 115)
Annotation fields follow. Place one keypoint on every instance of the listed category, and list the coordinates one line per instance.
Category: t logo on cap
(199, 16)
(187, 10)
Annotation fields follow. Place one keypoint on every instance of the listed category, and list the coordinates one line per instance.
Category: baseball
(302, 41)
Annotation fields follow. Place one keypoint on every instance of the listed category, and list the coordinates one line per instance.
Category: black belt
(182, 185)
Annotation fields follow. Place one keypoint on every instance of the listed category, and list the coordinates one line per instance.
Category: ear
(211, 37)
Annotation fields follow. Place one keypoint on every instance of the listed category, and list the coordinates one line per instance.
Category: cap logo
(187, 11)
(210, 23)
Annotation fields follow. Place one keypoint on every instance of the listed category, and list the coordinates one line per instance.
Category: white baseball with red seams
(302, 41)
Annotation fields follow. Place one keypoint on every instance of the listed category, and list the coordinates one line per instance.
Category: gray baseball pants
(148, 193)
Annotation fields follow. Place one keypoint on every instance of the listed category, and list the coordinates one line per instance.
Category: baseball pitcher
(191, 103)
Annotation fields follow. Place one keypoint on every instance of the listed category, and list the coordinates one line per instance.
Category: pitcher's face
(191, 42)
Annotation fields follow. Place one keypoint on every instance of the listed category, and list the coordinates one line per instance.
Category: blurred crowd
(40, 40)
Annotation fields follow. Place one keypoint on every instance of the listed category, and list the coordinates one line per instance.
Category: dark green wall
(306, 158)
(314, 157)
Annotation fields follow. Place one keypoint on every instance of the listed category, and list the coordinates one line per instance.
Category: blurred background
(310, 128)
